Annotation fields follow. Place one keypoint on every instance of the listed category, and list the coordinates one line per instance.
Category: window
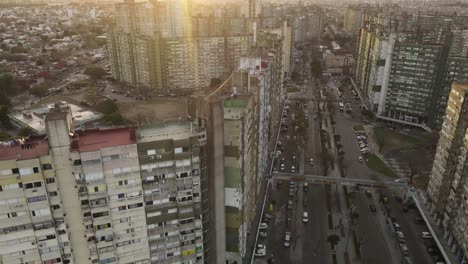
(36, 169)
(100, 214)
(26, 171)
(46, 166)
(132, 206)
(15, 171)
(37, 199)
(41, 212)
(52, 194)
(124, 182)
(121, 195)
(50, 180)
(92, 162)
(177, 150)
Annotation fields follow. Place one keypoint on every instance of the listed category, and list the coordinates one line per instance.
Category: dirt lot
(154, 110)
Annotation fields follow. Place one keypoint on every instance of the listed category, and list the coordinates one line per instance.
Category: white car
(399, 181)
(311, 162)
(293, 169)
(260, 251)
(305, 217)
(263, 226)
(263, 234)
(426, 235)
(287, 239)
(360, 159)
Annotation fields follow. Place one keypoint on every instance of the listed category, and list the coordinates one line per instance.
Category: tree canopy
(95, 72)
(7, 84)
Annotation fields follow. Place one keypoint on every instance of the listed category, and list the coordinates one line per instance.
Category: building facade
(171, 170)
(402, 72)
(103, 196)
(448, 185)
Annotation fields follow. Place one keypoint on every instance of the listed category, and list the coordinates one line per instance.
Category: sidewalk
(442, 240)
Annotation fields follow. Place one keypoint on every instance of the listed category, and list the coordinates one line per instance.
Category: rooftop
(96, 139)
(34, 118)
(174, 129)
(23, 149)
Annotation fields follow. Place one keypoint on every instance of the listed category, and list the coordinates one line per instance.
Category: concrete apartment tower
(59, 127)
(448, 185)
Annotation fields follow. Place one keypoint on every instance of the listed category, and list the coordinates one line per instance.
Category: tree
(114, 118)
(4, 119)
(215, 82)
(38, 90)
(40, 62)
(95, 72)
(107, 107)
(316, 68)
(333, 239)
(7, 84)
(4, 136)
(25, 132)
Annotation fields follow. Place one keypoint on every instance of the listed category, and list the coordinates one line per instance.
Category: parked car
(260, 251)
(400, 236)
(426, 235)
(263, 234)
(396, 226)
(287, 239)
(399, 181)
(368, 193)
(360, 159)
(263, 226)
(305, 217)
(293, 169)
(291, 185)
(291, 192)
(290, 204)
(311, 162)
(373, 208)
(404, 249)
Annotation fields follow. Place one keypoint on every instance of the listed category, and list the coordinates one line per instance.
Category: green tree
(38, 90)
(4, 119)
(7, 84)
(25, 132)
(114, 118)
(316, 68)
(18, 49)
(107, 107)
(95, 72)
(4, 136)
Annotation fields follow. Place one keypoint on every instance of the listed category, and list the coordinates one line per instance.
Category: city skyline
(249, 131)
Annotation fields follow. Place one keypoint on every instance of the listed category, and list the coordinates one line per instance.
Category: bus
(341, 106)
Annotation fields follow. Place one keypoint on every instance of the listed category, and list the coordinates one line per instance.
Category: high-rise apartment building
(307, 25)
(170, 155)
(352, 19)
(103, 196)
(403, 66)
(448, 185)
(32, 226)
(169, 54)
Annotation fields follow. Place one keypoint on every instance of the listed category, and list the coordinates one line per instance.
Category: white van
(305, 217)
